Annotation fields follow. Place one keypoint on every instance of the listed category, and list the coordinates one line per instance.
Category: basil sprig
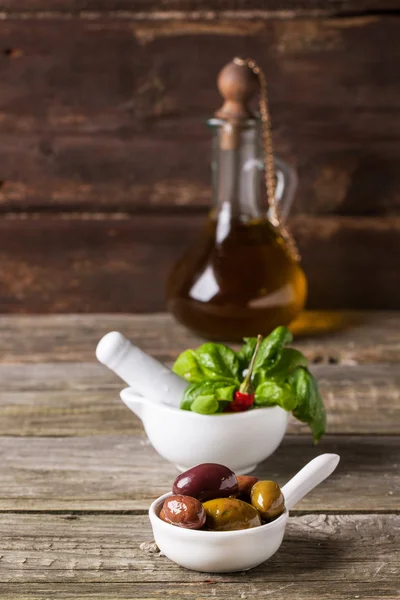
(213, 372)
(280, 378)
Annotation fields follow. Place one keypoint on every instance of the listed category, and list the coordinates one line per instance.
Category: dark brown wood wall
(104, 156)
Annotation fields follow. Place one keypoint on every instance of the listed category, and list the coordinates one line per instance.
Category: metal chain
(269, 162)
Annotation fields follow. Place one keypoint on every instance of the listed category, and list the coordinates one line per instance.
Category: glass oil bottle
(242, 276)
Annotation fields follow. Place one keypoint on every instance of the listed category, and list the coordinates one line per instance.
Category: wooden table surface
(77, 473)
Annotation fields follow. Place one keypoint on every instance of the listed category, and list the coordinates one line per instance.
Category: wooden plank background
(104, 155)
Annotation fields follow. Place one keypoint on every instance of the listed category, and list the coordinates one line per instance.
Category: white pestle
(146, 375)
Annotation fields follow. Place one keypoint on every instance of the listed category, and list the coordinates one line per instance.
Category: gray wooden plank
(73, 399)
(111, 548)
(362, 337)
(204, 590)
(111, 473)
(65, 413)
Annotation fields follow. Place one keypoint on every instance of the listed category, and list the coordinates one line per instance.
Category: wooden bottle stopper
(237, 84)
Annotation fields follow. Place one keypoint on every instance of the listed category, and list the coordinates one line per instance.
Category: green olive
(228, 514)
(267, 498)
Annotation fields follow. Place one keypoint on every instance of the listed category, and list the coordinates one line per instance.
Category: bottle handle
(286, 185)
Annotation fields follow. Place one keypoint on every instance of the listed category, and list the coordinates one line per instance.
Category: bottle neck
(237, 170)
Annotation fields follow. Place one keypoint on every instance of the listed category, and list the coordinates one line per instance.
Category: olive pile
(213, 498)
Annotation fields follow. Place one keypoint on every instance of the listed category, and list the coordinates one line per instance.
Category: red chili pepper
(241, 402)
(244, 397)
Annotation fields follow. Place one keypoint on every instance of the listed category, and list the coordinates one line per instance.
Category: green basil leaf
(225, 393)
(271, 348)
(310, 408)
(205, 404)
(270, 351)
(187, 365)
(272, 393)
(190, 394)
(210, 361)
(208, 396)
(218, 361)
(289, 361)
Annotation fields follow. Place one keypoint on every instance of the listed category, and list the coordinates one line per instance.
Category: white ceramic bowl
(228, 551)
(216, 551)
(239, 440)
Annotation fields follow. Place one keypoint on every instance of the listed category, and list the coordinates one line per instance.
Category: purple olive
(206, 482)
(183, 511)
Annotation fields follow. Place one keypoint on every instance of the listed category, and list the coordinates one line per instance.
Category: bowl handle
(308, 478)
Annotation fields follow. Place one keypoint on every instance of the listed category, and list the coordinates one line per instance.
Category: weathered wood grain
(111, 473)
(327, 337)
(107, 548)
(310, 590)
(109, 122)
(67, 413)
(160, 9)
(83, 399)
(101, 263)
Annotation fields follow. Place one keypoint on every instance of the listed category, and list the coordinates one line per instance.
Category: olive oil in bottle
(242, 276)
